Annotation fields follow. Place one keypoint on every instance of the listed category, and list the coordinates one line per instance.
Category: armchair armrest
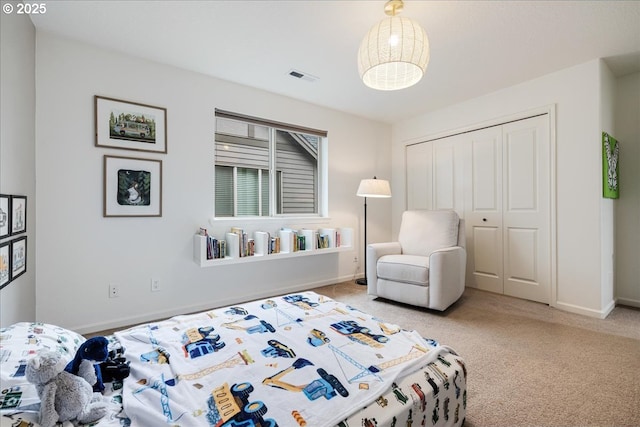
(447, 268)
(374, 252)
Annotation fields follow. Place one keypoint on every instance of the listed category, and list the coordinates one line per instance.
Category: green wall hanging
(610, 156)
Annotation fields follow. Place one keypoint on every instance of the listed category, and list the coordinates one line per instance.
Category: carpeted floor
(529, 364)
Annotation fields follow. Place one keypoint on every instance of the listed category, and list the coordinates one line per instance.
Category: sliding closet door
(483, 209)
(526, 214)
(419, 176)
(508, 209)
(435, 174)
(499, 180)
(448, 174)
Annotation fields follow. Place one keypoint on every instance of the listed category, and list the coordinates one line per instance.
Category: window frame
(322, 173)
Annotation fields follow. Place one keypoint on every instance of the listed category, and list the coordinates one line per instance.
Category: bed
(300, 359)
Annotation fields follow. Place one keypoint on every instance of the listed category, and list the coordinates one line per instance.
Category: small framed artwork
(18, 257)
(18, 214)
(132, 187)
(610, 170)
(130, 125)
(5, 264)
(5, 215)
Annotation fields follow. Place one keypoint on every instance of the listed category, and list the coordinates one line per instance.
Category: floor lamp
(370, 188)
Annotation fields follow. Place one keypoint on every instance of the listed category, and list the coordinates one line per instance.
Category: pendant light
(395, 53)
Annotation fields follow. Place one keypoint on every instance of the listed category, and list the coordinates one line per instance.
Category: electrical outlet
(355, 259)
(155, 285)
(114, 291)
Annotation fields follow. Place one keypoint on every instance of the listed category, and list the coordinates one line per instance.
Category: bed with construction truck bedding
(301, 359)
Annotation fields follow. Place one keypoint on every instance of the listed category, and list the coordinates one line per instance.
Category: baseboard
(153, 316)
(599, 314)
(628, 301)
(608, 309)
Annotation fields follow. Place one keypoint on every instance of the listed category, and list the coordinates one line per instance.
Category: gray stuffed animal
(63, 396)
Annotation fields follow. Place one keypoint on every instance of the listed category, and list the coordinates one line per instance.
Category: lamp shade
(374, 188)
(394, 54)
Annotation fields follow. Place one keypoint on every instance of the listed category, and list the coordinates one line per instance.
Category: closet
(499, 180)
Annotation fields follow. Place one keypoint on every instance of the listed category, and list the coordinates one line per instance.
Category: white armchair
(426, 266)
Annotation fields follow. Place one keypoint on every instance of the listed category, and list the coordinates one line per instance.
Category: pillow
(19, 343)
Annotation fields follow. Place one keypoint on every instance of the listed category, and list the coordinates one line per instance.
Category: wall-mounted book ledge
(238, 246)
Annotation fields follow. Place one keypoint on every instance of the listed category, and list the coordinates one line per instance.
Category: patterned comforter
(300, 359)
(295, 360)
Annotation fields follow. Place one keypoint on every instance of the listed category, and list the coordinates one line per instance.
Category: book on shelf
(222, 245)
(310, 239)
(215, 248)
(251, 247)
(323, 241)
(330, 237)
(244, 249)
(274, 245)
(237, 230)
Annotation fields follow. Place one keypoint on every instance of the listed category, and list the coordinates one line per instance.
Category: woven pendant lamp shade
(394, 54)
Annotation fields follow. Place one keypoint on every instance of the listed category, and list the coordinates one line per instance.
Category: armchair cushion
(422, 232)
(410, 269)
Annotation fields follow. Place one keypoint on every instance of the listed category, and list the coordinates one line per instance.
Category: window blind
(247, 189)
(269, 123)
(224, 191)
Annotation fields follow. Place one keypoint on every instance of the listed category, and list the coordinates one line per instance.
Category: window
(266, 168)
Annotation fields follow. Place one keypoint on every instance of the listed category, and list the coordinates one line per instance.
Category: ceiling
(477, 47)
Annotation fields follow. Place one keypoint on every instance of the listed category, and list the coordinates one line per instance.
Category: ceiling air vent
(302, 76)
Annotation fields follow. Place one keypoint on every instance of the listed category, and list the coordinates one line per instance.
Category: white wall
(607, 231)
(575, 93)
(80, 252)
(17, 147)
(627, 207)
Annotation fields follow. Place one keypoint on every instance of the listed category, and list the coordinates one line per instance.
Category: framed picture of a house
(132, 187)
(18, 257)
(5, 264)
(18, 214)
(130, 125)
(5, 215)
(610, 170)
